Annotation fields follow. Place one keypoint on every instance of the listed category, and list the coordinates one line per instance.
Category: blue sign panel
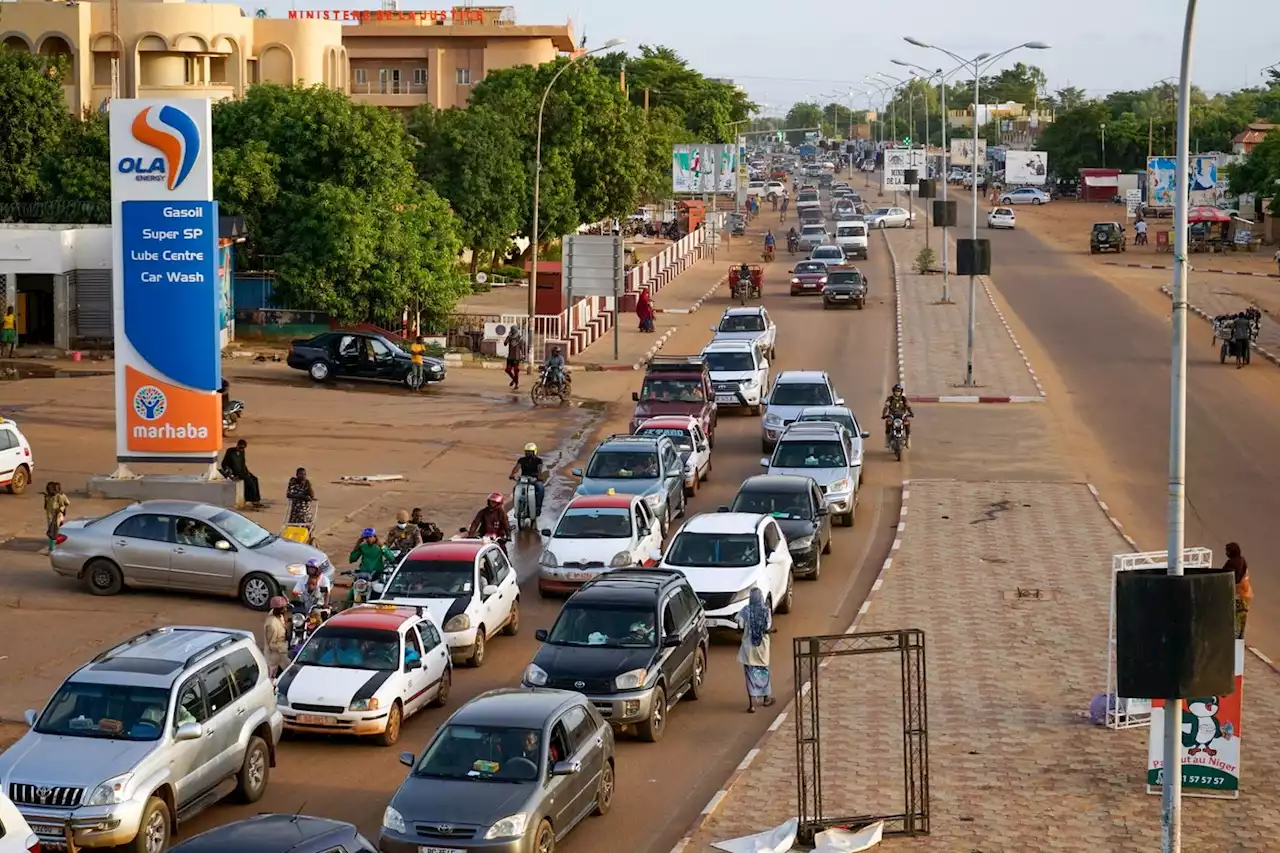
(171, 288)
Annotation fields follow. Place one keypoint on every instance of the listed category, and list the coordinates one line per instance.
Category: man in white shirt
(1140, 232)
(314, 589)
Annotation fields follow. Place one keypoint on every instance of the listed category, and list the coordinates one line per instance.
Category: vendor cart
(1223, 332)
(300, 521)
(742, 290)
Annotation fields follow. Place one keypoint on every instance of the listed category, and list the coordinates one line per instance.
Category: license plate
(840, 296)
(440, 850)
(46, 829)
(581, 576)
(312, 720)
(726, 398)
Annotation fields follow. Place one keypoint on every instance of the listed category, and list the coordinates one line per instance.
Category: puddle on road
(44, 371)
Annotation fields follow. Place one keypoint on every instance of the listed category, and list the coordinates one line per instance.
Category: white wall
(54, 249)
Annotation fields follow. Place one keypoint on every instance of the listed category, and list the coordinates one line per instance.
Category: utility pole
(646, 101)
(115, 49)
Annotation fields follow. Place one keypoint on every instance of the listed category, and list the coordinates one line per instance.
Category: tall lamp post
(942, 90)
(978, 63)
(1103, 128)
(537, 183)
(911, 136)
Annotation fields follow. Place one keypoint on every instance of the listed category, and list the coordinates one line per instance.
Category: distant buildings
(1245, 141)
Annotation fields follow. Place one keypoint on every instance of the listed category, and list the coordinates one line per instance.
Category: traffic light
(906, 140)
(779, 136)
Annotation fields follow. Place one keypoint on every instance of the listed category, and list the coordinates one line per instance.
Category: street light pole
(1103, 127)
(537, 186)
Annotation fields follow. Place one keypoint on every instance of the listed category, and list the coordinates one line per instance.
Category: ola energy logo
(171, 132)
(149, 402)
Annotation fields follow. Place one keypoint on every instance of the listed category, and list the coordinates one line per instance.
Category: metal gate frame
(811, 655)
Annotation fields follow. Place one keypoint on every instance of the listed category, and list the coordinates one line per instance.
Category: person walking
(1239, 567)
(417, 367)
(236, 467)
(516, 351)
(275, 636)
(786, 202)
(644, 311)
(757, 624)
(9, 332)
(55, 511)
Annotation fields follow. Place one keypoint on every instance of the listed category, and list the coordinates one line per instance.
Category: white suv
(16, 461)
(725, 555)
(851, 236)
(739, 373)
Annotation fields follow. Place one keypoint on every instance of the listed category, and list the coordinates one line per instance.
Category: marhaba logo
(171, 132)
(149, 402)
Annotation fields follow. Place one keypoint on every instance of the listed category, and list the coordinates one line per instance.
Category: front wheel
(513, 620)
(21, 479)
(391, 734)
(788, 597)
(538, 393)
(153, 829)
(604, 794)
(545, 840)
(897, 450)
(652, 729)
(319, 371)
(477, 654)
(251, 783)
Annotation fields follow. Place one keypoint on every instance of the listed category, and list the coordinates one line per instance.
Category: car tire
(154, 829)
(477, 654)
(255, 770)
(690, 491)
(652, 729)
(544, 840)
(21, 479)
(395, 720)
(698, 681)
(826, 549)
(257, 590)
(817, 567)
(103, 577)
(706, 475)
(446, 685)
(846, 520)
(320, 371)
(1036, 202)
(604, 794)
(788, 597)
(513, 620)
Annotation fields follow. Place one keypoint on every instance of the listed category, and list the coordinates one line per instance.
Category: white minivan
(852, 235)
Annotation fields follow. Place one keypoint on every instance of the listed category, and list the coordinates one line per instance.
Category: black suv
(801, 511)
(611, 644)
(845, 286)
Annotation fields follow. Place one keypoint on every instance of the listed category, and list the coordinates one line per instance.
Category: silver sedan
(182, 546)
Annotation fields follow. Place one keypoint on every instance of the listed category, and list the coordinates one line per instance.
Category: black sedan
(279, 833)
(359, 355)
(800, 510)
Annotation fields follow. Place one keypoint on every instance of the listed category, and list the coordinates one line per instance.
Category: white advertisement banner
(1162, 183)
(962, 151)
(896, 162)
(1026, 168)
(704, 169)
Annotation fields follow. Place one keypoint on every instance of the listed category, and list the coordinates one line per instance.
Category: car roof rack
(678, 363)
(230, 636)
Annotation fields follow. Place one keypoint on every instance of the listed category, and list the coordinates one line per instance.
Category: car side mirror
(635, 396)
(577, 472)
(30, 716)
(546, 531)
(764, 462)
(839, 401)
(406, 758)
(671, 641)
(222, 545)
(489, 590)
(540, 635)
(865, 434)
(822, 510)
(411, 664)
(566, 768)
(188, 731)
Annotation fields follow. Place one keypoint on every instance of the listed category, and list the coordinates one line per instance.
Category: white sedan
(1002, 217)
(1025, 195)
(597, 533)
(890, 217)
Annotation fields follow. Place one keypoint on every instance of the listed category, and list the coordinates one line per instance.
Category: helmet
(555, 350)
(531, 448)
(313, 568)
(277, 602)
(495, 499)
(367, 532)
(897, 388)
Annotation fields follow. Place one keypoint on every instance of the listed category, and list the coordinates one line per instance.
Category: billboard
(1162, 185)
(1028, 168)
(704, 168)
(165, 282)
(896, 163)
(962, 151)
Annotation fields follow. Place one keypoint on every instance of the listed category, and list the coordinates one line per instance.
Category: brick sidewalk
(1013, 764)
(933, 336)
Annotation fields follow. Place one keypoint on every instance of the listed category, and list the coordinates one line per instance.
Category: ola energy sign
(165, 276)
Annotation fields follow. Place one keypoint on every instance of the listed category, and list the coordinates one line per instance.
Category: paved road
(662, 787)
(1113, 355)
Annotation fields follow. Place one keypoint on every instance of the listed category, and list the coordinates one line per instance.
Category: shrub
(926, 261)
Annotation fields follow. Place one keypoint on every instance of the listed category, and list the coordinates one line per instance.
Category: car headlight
(296, 569)
(461, 622)
(621, 560)
(653, 498)
(803, 543)
(548, 559)
(535, 675)
(435, 368)
(393, 820)
(772, 420)
(365, 705)
(512, 826)
(795, 281)
(632, 680)
(110, 792)
(751, 384)
(741, 595)
(842, 485)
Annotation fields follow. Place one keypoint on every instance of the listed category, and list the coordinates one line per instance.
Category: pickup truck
(677, 385)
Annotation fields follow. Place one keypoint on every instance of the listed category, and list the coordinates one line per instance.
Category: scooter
(231, 414)
(526, 503)
(793, 245)
(304, 623)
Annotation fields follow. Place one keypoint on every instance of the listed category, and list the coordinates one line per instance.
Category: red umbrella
(1207, 214)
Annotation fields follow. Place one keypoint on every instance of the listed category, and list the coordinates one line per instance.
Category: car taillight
(59, 539)
(26, 451)
(33, 845)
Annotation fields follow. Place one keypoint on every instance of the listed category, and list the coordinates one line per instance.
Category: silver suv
(824, 452)
(144, 736)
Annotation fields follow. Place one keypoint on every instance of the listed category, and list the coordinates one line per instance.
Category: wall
(54, 248)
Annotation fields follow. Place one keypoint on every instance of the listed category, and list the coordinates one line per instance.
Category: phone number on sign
(1194, 779)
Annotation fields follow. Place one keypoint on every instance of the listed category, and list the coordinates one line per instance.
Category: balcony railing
(389, 87)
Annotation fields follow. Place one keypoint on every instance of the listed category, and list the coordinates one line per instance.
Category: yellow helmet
(531, 448)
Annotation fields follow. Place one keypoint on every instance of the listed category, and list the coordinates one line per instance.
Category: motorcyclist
(793, 239)
(370, 553)
(313, 589)
(744, 275)
(553, 368)
(896, 406)
(532, 465)
(403, 536)
(492, 520)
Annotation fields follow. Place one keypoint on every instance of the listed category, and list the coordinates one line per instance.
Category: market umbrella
(1207, 214)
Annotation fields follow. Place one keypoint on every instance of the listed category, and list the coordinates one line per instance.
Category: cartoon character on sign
(149, 402)
(174, 134)
(1200, 727)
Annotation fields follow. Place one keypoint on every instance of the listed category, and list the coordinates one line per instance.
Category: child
(55, 511)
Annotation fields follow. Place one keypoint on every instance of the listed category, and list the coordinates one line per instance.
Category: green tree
(75, 174)
(1260, 172)
(802, 115)
(33, 117)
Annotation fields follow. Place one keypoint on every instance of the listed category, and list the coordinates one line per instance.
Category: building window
(464, 77)
(419, 76)
(362, 76)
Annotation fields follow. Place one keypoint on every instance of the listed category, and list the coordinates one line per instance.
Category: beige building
(169, 48)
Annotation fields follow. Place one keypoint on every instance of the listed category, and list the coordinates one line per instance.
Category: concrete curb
(662, 340)
(974, 398)
(740, 771)
(1204, 315)
(897, 307)
(986, 287)
(693, 309)
(1197, 269)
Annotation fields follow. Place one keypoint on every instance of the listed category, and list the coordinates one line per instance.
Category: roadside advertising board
(896, 163)
(1162, 183)
(166, 288)
(704, 169)
(1026, 168)
(962, 151)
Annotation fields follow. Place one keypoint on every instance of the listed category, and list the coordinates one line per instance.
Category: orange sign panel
(164, 418)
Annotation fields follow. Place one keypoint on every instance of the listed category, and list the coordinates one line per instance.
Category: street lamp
(911, 98)
(978, 63)
(537, 181)
(883, 88)
(1103, 128)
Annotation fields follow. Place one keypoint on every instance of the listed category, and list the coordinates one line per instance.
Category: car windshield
(595, 523)
(718, 550)
(810, 267)
(482, 754)
(623, 465)
(352, 648)
(616, 627)
(787, 505)
(813, 231)
(730, 362)
(828, 252)
(800, 394)
(109, 711)
(672, 390)
(844, 278)
(809, 196)
(844, 420)
(248, 533)
(741, 323)
(679, 437)
(809, 454)
(882, 211)
(432, 578)
(850, 231)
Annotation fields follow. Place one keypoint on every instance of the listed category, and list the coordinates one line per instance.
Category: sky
(805, 49)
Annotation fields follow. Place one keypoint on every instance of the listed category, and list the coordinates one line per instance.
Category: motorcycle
(231, 414)
(368, 585)
(898, 436)
(526, 503)
(303, 623)
(793, 245)
(500, 541)
(544, 391)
